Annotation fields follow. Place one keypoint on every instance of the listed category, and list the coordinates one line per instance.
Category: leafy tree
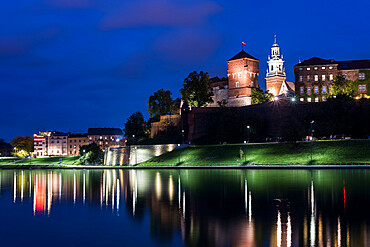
(175, 107)
(91, 154)
(23, 145)
(197, 90)
(342, 87)
(5, 148)
(258, 96)
(135, 127)
(160, 103)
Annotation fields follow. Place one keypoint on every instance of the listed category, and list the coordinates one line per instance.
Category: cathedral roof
(242, 54)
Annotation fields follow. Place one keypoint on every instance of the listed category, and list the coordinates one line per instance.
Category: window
(252, 83)
(316, 99)
(361, 76)
(308, 68)
(362, 88)
(308, 90)
(316, 78)
(79, 140)
(309, 99)
(316, 68)
(234, 76)
(308, 78)
(322, 67)
(240, 75)
(301, 90)
(237, 84)
(323, 77)
(345, 76)
(70, 146)
(323, 89)
(331, 77)
(316, 89)
(301, 78)
(324, 98)
(300, 69)
(330, 67)
(301, 99)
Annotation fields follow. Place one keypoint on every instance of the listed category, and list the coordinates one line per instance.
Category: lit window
(300, 78)
(316, 78)
(234, 76)
(300, 69)
(316, 68)
(301, 99)
(316, 99)
(301, 90)
(361, 76)
(308, 78)
(362, 88)
(322, 67)
(240, 75)
(330, 67)
(308, 90)
(316, 89)
(309, 99)
(323, 89)
(324, 98)
(308, 68)
(331, 77)
(237, 84)
(323, 77)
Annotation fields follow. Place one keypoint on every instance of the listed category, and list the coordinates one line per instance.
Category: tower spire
(275, 39)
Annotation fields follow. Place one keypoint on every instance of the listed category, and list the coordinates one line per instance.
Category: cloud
(159, 13)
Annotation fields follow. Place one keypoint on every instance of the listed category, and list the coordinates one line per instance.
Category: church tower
(275, 75)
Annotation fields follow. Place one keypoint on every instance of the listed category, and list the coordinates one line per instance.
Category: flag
(243, 43)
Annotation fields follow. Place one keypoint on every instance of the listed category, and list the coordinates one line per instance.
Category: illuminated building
(75, 142)
(106, 137)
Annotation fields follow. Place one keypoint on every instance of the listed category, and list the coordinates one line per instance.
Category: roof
(316, 61)
(217, 82)
(77, 135)
(353, 64)
(242, 54)
(104, 131)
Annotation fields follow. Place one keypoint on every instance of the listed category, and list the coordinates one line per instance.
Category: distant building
(313, 77)
(40, 143)
(106, 137)
(276, 82)
(57, 144)
(75, 142)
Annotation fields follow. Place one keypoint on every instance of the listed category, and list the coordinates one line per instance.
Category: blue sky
(73, 64)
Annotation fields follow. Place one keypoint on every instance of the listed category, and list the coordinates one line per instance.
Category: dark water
(185, 208)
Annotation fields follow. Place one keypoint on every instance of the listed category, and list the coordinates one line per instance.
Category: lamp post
(182, 136)
(84, 156)
(15, 151)
(248, 127)
(178, 145)
(312, 122)
(133, 139)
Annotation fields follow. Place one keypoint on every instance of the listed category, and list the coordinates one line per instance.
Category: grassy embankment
(6, 161)
(44, 162)
(323, 152)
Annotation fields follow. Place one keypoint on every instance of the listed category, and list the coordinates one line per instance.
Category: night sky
(69, 65)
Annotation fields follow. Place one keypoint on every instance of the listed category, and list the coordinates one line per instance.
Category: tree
(91, 154)
(342, 87)
(5, 148)
(135, 127)
(258, 96)
(160, 103)
(197, 90)
(23, 145)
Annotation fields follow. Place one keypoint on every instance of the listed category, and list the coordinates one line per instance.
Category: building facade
(75, 142)
(57, 144)
(106, 137)
(276, 82)
(313, 77)
(40, 144)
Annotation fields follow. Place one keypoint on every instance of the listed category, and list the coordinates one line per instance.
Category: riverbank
(341, 152)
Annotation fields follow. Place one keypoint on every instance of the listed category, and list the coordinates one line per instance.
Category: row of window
(76, 140)
(317, 99)
(240, 75)
(316, 68)
(361, 76)
(315, 89)
(237, 84)
(316, 78)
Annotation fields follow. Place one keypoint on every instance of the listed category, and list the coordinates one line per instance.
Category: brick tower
(242, 71)
(275, 75)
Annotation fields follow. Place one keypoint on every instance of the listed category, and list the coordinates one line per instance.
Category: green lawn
(67, 160)
(280, 153)
(6, 161)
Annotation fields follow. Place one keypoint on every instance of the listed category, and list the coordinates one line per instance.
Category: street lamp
(15, 151)
(84, 157)
(312, 122)
(248, 127)
(133, 139)
(178, 145)
(182, 136)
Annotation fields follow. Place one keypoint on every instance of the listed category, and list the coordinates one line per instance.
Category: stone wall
(132, 155)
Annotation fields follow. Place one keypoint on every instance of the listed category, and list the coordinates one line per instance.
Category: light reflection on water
(192, 207)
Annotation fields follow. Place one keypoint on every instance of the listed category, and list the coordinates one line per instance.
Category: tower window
(323, 89)
(234, 76)
(300, 78)
(362, 88)
(240, 75)
(272, 68)
(323, 77)
(308, 78)
(361, 76)
(322, 67)
(316, 89)
(237, 84)
(316, 78)
(308, 68)
(301, 90)
(308, 90)
(331, 77)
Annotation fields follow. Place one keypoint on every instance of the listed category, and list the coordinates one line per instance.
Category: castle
(242, 76)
